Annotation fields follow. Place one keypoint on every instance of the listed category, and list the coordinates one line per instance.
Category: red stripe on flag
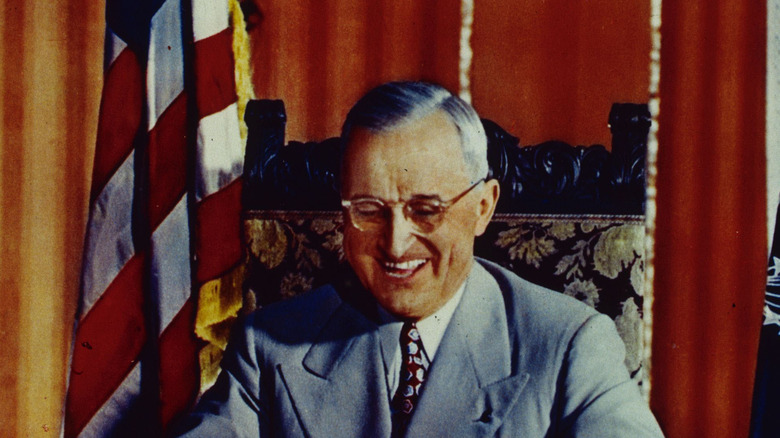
(179, 368)
(120, 117)
(108, 342)
(214, 76)
(167, 160)
(218, 239)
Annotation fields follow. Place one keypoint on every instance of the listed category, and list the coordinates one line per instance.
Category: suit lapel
(470, 386)
(341, 389)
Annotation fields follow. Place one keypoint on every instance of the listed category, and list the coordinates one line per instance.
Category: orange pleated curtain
(51, 57)
(542, 69)
(710, 266)
(320, 56)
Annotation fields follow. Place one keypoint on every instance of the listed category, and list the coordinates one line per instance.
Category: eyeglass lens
(424, 214)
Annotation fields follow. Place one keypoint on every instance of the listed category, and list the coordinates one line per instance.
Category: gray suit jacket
(515, 360)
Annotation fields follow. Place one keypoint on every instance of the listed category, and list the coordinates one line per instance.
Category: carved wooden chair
(569, 218)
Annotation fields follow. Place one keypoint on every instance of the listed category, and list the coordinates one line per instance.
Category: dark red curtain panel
(552, 69)
(543, 70)
(321, 56)
(711, 222)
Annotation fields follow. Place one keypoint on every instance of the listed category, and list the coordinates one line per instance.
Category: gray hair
(389, 105)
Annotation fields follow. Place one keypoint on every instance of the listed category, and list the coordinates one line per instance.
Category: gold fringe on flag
(241, 55)
(220, 300)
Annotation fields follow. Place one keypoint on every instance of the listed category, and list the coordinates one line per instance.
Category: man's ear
(487, 206)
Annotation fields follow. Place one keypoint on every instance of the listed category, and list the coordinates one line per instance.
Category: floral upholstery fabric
(596, 259)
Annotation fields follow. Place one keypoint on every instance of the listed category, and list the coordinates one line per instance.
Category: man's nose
(398, 234)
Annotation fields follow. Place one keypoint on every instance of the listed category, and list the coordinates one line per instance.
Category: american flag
(164, 214)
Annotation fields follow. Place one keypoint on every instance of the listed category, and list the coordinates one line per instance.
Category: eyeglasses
(425, 212)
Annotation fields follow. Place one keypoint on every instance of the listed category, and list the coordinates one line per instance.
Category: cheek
(357, 249)
(455, 244)
(460, 230)
(445, 252)
(349, 246)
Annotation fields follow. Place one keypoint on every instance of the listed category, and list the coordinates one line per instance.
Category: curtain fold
(320, 57)
(551, 70)
(51, 58)
(710, 232)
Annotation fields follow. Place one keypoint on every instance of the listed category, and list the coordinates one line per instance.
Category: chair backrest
(570, 218)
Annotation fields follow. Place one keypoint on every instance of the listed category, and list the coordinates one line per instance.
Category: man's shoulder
(534, 308)
(297, 319)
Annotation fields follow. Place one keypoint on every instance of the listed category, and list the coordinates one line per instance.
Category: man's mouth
(403, 269)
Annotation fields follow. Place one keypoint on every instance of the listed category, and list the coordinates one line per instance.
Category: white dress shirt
(431, 329)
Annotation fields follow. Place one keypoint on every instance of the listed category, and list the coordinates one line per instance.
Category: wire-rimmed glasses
(424, 212)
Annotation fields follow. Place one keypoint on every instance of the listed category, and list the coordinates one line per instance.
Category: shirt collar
(431, 328)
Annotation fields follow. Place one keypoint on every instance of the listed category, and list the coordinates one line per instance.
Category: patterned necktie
(414, 365)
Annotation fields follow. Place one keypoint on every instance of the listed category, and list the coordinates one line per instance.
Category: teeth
(411, 264)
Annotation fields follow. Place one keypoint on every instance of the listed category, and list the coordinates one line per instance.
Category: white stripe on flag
(220, 152)
(114, 46)
(109, 242)
(170, 266)
(165, 68)
(106, 419)
(209, 18)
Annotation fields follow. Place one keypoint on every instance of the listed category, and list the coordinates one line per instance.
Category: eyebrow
(413, 197)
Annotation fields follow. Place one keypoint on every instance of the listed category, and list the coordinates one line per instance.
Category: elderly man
(421, 338)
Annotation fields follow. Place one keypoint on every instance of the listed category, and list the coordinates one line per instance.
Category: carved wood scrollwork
(549, 178)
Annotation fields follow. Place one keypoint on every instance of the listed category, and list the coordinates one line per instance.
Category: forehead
(422, 156)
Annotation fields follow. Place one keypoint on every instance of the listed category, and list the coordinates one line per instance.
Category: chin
(404, 311)
(403, 302)
(407, 290)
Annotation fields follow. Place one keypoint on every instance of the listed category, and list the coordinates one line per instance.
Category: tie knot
(409, 333)
(411, 345)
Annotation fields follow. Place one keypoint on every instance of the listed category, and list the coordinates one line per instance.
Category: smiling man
(420, 338)
(411, 249)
